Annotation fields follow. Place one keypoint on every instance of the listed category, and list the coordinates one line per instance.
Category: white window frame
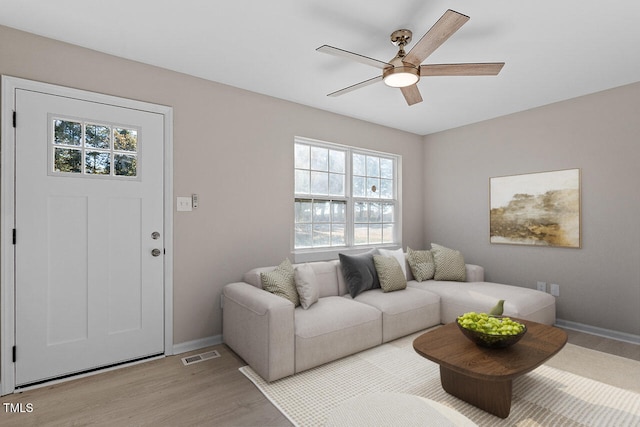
(328, 253)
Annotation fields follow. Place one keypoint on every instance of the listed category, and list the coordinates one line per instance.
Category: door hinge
(14, 354)
(14, 236)
(14, 118)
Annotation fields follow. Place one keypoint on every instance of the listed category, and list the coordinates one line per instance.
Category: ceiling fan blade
(353, 56)
(448, 24)
(411, 94)
(356, 86)
(475, 69)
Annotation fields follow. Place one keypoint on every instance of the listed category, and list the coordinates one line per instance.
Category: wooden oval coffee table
(483, 376)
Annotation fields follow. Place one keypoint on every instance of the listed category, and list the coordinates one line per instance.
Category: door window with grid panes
(344, 197)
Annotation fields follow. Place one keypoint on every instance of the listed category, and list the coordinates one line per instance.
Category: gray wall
(600, 134)
(232, 147)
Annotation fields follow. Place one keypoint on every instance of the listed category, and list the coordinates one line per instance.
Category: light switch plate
(184, 204)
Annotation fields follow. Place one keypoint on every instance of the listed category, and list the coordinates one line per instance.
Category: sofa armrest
(259, 327)
(475, 273)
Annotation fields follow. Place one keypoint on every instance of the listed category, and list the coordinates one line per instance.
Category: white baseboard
(602, 332)
(197, 344)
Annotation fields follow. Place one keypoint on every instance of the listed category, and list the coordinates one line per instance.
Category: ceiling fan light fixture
(400, 76)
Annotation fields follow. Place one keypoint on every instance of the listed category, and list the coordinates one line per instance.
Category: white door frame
(7, 211)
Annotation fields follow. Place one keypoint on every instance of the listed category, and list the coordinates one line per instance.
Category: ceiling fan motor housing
(401, 75)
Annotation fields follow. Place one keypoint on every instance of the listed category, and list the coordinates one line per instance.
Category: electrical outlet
(555, 290)
(184, 204)
(542, 286)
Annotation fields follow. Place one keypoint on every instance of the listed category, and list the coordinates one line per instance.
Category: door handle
(156, 252)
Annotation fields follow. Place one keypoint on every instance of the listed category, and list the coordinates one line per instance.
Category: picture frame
(536, 209)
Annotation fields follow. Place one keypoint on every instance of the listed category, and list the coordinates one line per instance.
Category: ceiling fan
(404, 70)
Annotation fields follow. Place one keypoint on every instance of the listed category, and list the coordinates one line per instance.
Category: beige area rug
(547, 396)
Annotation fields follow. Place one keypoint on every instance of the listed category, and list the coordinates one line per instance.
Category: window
(84, 148)
(344, 196)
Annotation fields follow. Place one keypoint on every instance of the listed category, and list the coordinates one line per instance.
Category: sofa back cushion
(326, 275)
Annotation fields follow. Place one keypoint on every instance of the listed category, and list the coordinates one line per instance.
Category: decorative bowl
(489, 340)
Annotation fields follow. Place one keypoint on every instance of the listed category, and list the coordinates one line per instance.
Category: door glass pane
(102, 150)
(125, 164)
(67, 160)
(125, 140)
(97, 163)
(97, 136)
(67, 132)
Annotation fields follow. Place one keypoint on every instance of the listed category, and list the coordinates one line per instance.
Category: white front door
(88, 217)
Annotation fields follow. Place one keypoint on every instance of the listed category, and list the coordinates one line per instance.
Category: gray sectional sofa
(278, 339)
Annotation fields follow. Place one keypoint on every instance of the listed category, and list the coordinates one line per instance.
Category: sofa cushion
(306, 285)
(332, 328)
(404, 311)
(457, 298)
(421, 264)
(359, 272)
(449, 264)
(398, 254)
(326, 274)
(390, 273)
(281, 282)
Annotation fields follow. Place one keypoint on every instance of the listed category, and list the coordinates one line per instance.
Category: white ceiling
(553, 50)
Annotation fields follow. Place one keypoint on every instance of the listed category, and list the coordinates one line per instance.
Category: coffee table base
(491, 396)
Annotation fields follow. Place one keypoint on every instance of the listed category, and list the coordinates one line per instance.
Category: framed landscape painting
(541, 209)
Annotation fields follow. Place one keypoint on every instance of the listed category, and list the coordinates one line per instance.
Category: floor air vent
(190, 360)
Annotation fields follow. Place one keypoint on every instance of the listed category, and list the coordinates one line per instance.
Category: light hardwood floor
(165, 393)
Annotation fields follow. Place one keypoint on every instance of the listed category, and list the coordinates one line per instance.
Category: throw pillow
(449, 264)
(397, 254)
(391, 276)
(280, 282)
(421, 264)
(306, 285)
(359, 272)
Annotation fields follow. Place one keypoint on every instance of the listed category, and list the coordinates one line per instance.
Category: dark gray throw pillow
(359, 272)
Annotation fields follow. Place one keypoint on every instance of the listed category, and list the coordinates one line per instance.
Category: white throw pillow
(307, 285)
(398, 254)
(450, 264)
